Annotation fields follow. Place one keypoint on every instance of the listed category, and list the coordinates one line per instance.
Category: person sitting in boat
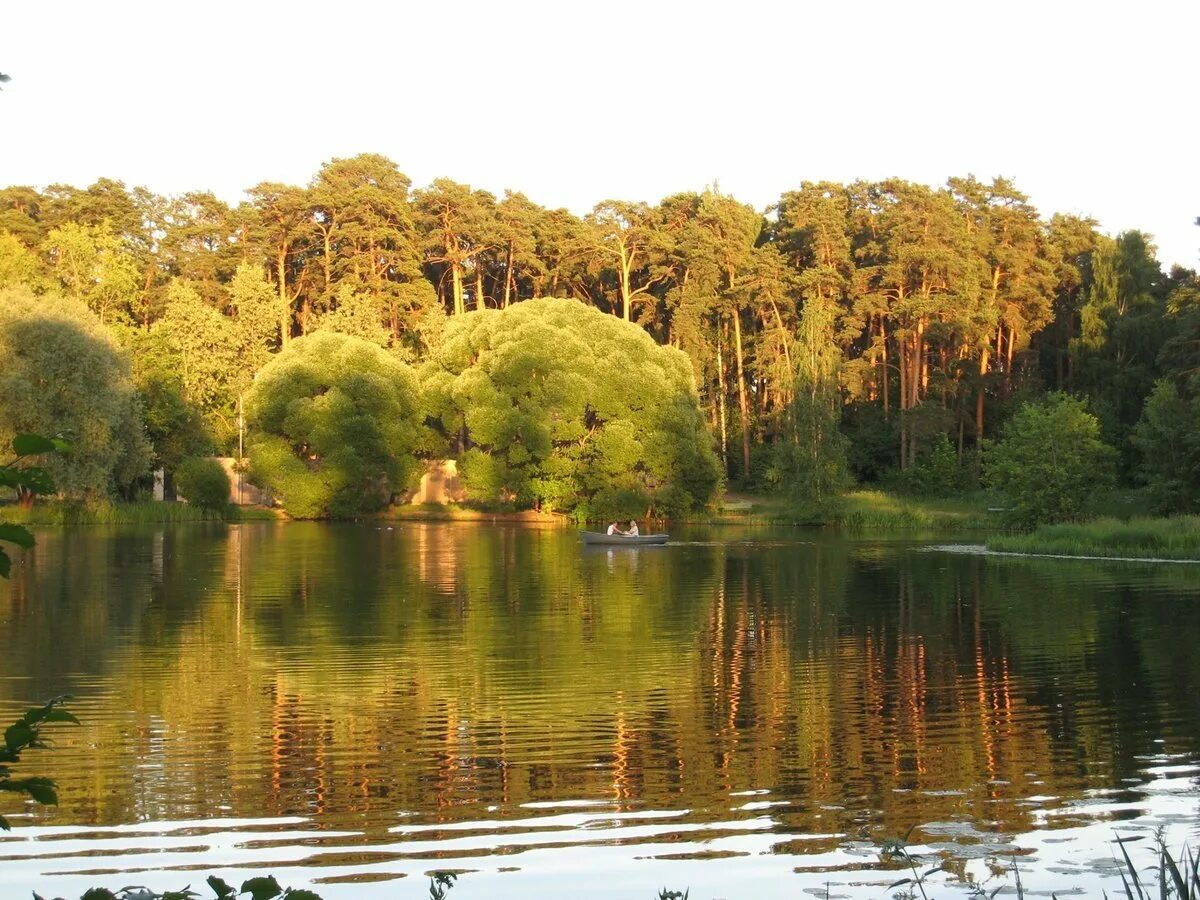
(613, 529)
(632, 530)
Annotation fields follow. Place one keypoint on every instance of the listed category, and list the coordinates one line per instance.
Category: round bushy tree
(334, 426)
(1049, 460)
(62, 372)
(554, 404)
(203, 482)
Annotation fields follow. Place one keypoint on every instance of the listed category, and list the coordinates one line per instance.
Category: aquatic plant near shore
(1142, 538)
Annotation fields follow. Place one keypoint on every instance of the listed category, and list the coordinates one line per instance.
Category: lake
(743, 712)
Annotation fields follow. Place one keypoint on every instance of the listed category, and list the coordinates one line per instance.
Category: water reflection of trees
(351, 670)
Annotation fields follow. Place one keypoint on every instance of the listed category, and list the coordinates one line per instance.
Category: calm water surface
(746, 712)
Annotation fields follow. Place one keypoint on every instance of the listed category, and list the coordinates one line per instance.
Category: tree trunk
(456, 282)
(887, 412)
(479, 304)
(743, 403)
(902, 350)
(979, 399)
(721, 406)
(508, 276)
(285, 306)
(626, 298)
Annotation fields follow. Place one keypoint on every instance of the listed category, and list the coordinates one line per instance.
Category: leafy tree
(175, 428)
(61, 372)
(553, 404)
(355, 313)
(204, 352)
(1049, 460)
(18, 264)
(1168, 439)
(93, 267)
(810, 459)
(1123, 329)
(334, 426)
(253, 303)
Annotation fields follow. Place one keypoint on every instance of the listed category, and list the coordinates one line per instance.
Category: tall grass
(138, 512)
(880, 511)
(1138, 538)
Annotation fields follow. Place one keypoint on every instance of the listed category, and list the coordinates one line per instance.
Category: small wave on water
(982, 550)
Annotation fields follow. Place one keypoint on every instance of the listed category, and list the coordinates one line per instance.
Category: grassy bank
(139, 512)
(858, 512)
(881, 511)
(1139, 538)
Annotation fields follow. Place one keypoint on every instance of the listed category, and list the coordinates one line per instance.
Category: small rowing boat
(633, 540)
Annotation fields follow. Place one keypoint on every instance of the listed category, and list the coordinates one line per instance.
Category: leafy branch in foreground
(27, 481)
(25, 734)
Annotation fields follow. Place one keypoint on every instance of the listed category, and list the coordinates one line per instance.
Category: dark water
(748, 713)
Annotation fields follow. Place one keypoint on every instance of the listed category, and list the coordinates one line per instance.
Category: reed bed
(146, 512)
(1137, 538)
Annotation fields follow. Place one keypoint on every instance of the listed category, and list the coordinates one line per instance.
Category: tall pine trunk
(743, 402)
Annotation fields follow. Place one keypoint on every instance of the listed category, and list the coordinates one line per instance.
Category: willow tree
(334, 426)
(556, 405)
(62, 372)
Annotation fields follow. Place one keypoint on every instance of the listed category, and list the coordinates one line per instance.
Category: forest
(876, 332)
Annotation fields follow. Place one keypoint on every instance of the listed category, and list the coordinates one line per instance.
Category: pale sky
(1090, 107)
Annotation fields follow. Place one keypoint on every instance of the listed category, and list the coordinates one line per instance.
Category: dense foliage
(335, 422)
(927, 315)
(557, 405)
(61, 372)
(203, 483)
(1049, 461)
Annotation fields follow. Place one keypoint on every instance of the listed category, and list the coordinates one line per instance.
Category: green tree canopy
(555, 404)
(334, 426)
(61, 372)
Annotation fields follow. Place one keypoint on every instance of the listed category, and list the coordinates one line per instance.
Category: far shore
(861, 512)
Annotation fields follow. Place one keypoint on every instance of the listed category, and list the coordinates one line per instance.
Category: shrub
(938, 472)
(1049, 460)
(203, 482)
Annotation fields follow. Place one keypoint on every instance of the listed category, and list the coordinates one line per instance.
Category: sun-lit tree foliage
(62, 373)
(335, 426)
(557, 405)
(947, 306)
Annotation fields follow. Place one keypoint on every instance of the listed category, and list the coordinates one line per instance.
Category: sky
(1089, 107)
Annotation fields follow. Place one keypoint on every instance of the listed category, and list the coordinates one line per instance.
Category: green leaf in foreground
(32, 445)
(16, 534)
(220, 887)
(262, 888)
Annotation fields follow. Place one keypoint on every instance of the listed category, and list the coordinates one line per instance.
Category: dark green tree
(1049, 461)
